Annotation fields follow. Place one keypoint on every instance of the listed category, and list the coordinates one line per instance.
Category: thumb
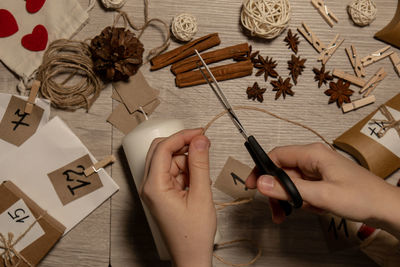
(199, 171)
(270, 187)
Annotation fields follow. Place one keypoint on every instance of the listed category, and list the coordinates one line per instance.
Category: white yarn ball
(184, 27)
(265, 18)
(362, 12)
(113, 4)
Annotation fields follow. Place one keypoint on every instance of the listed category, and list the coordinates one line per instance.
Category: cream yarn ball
(265, 18)
(184, 27)
(113, 4)
(362, 12)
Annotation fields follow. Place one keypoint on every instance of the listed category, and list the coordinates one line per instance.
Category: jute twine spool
(113, 4)
(184, 27)
(69, 59)
(265, 18)
(362, 12)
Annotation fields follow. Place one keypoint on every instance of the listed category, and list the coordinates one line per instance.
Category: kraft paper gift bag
(28, 27)
(379, 154)
(34, 231)
(49, 168)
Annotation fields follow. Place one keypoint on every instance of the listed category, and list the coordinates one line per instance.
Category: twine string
(224, 244)
(127, 21)
(269, 113)
(237, 202)
(389, 123)
(72, 58)
(8, 245)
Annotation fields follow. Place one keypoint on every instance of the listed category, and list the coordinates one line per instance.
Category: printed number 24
(18, 215)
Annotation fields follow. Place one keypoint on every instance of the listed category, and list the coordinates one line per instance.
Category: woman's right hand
(330, 182)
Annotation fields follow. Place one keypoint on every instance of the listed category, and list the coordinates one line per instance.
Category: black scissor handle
(267, 166)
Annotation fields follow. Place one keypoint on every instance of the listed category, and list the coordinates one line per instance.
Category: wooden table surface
(297, 242)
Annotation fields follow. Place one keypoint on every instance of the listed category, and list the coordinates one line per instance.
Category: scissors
(264, 164)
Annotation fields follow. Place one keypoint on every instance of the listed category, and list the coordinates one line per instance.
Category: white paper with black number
(52, 147)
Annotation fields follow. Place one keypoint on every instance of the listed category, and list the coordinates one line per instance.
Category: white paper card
(52, 147)
(391, 139)
(5, 147)
(17, 219)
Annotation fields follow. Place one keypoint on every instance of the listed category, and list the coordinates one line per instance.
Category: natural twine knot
(362, 12)
(389, 123)
(184, 27)
(8, 245)
(265, 18)
(113, 4)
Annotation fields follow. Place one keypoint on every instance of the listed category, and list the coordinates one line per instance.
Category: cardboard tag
(126, 122)
(116, 96)
(71, 183)
(17, 219)
(17, 126)
(135, 92)
(340, 233)
(391, 139)
(232, 179)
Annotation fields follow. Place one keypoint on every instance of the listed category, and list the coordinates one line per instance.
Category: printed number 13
(18, 213)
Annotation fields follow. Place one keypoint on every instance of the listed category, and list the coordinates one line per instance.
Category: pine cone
(116, 53)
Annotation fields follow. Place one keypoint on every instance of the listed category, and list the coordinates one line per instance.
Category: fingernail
(266, 182)
(201, 144)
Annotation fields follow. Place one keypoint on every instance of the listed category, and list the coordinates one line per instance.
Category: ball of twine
(184, 27)
(113, 4)
(362, 12)
(67, 76)
(265, 18)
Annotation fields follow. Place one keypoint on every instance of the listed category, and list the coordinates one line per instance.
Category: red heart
(8, 24)
(37, 40)
(33, 6)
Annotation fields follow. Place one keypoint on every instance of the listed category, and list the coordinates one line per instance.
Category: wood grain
(297, 242)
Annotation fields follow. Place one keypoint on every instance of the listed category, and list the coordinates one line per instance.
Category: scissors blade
(221, 97)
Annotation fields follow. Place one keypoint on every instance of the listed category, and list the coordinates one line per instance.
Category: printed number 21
(18, 213)
(81, 182)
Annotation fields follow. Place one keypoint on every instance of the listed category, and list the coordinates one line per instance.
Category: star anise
(266, 66)
(282, 87)
(296, 67)
(255, 92)
(321, 76)
(249, 56)
(339, 92)
(292, 41)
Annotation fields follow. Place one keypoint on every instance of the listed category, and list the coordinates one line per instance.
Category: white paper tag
(17, 219)
(391, 139)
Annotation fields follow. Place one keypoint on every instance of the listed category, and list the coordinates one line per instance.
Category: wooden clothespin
(327, 53)
(323, 10)
(355, 61)
(396, 62)
(311, 38)
(376, 56)
(358, 103)
(99, 165)
(373, 82)
(348, 77)
(32, 96)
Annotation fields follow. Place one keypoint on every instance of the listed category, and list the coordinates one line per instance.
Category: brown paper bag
(40, 231)
(367, 149)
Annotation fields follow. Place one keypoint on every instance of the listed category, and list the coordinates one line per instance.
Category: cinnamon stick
(184, 51)
(210, 57)
(221, 73)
